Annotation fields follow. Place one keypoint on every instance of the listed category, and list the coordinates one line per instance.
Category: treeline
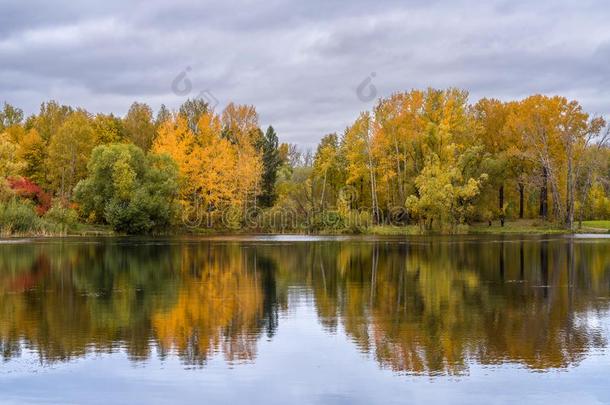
(446, 162)
(140, 173)
(421, 157)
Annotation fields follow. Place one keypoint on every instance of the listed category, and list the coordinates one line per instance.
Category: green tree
(139, 126)
(271, 164)
(131, 191)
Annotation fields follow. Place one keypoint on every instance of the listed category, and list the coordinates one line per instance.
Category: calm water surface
(280, 320)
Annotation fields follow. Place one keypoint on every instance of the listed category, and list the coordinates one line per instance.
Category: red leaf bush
(29, 190)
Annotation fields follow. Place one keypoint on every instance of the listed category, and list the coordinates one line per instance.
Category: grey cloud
(300, 62)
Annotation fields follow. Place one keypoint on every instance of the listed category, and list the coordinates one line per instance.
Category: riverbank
(84, 230)
(524, 227)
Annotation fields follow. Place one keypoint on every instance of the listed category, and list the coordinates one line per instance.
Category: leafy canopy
(129, 190)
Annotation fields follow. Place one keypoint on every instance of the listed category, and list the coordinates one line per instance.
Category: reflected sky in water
(305, 320)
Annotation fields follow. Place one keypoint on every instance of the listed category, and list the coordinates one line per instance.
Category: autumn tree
(68, 153)
(9, 166)
(164, 114)
(239, 123)
(139, 125)
(49, 119)
(108, 129)
(576, 131)
(490, 116)
(591, 171)
(207, 163)
(554, 130)
(398, 142)
(32, 152)
(240, 126)
(360, 165)
(445, 195)
(326, 167)
(10, 116)
(192, 110)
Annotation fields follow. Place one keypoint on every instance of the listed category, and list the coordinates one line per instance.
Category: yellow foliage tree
(216, 174)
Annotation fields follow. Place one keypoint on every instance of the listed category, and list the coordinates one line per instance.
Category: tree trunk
(374, 194)
(521, 207)
(501, 203)
(372, 175)
(323, 191)
(570, 191)
(557, 205)
(581, 209)
(401, 192)
(544, 194)
(61, 188)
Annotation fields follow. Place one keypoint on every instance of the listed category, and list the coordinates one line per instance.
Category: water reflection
(423, 306)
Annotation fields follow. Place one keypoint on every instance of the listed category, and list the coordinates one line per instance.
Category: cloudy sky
(299, 62)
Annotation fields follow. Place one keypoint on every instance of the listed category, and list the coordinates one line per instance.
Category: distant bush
(61, 217)
(327, 221)
(29, 190)
(357, 221)
(19, 217)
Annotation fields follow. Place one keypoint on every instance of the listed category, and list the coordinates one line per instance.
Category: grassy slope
(385, 230)
(79, 230)
(510, 227)
(597, 225)
(517, 227)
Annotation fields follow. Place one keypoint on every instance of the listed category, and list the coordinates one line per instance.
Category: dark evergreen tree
(271, 163)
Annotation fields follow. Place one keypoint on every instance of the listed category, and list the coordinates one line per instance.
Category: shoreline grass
(524, 227)
(603, 225)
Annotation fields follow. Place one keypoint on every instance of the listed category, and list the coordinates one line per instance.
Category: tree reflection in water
(424, 306)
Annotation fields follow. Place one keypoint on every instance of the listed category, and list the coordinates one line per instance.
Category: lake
(306, 320)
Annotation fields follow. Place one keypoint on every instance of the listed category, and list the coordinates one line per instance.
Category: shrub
(6, 193)
(27, 189)
(327, 221)
(357, 221)
(61, 217)
(18, 217)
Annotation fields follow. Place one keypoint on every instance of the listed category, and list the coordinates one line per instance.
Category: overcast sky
(299, 62)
